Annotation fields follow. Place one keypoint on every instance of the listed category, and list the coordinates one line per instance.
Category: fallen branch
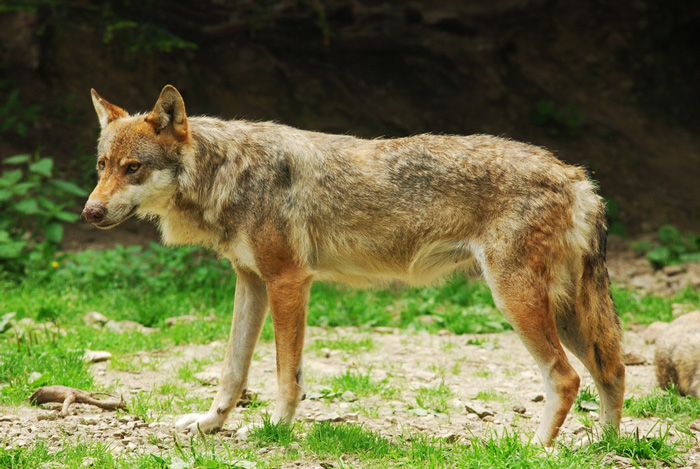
(67, 396)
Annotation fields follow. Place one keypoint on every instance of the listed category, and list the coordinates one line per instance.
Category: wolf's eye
(100, 165)
(132, 168)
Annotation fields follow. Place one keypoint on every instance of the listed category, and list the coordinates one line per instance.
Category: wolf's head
(137, 159)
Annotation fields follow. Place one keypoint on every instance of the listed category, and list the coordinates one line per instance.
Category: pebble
(537, 397)
(332, 417)
(96, 356)
(479, 409)
(94, 317)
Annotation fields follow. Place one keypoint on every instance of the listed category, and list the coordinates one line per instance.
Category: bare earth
(498, 365)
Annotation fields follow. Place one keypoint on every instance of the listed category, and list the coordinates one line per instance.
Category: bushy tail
(594, 306)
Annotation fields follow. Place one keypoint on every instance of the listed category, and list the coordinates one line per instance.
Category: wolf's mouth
(107, 226)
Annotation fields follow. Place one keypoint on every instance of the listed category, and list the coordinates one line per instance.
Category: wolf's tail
(586, 317)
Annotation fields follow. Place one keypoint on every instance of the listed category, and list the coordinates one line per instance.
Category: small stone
(90, 420)
(479, 409)
(348, 396)
(632, 359)
(88, 462)
(96, 356)
(519, 409)
(537, 397)
(332, 417)
(450, 437)
(425, 375)
(96, 318)
(385, 330)
(326, 352)
(672, 270)
(185, 319)
(125, 326)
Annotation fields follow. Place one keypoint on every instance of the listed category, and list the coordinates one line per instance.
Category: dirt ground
(498, 364)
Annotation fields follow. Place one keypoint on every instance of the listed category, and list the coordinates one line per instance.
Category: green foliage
(15, 117)
(587, 401)
(33, 205)
(667, 403)
(361, 384)
(558, 121)
(339, 439)
(280, 433)
(670, 247)
(645, 450)
(434, 399)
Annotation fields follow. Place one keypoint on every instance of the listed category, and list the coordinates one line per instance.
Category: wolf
(288, 207)
(677, 356)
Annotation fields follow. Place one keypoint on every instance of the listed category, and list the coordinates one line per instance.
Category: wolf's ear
(106, 112)
(169, 114)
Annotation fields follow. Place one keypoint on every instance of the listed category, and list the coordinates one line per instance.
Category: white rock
(95, 356)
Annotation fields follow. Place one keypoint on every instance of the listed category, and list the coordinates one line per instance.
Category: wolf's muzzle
(94, 213)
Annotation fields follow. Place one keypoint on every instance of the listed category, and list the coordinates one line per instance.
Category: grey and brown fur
(677, 358)
(288, 207)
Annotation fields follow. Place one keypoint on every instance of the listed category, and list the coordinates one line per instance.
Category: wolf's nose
(94, 213)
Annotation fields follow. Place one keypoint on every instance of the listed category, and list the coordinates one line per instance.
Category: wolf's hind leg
(526, 306)
(248, 316)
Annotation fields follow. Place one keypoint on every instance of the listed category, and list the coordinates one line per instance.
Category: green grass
(664, 404)
(361, 384)
(434, 399)
(345, 344)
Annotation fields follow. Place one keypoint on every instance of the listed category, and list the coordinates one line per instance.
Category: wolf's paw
(196, 423)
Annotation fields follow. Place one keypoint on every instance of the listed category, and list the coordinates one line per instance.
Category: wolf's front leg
(248, 316)
(289, 297)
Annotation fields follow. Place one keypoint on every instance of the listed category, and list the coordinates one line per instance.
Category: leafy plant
(670, 247)
(16, 116)
(32, 206)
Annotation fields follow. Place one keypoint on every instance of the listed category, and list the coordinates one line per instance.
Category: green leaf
(47, 204)
(17, 159)
(22, 188)
(27, 207)
(69, 187)
(10, 177)
(11, 250)
(659, 256)
(54, 232)
(690, 257)
(5, 194)
(43, 167)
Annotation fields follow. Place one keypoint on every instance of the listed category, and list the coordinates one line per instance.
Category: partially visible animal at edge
(677, 357)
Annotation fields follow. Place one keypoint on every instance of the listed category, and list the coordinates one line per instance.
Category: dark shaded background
(613, 86)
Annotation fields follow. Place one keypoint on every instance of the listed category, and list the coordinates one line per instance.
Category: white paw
(196, 423)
